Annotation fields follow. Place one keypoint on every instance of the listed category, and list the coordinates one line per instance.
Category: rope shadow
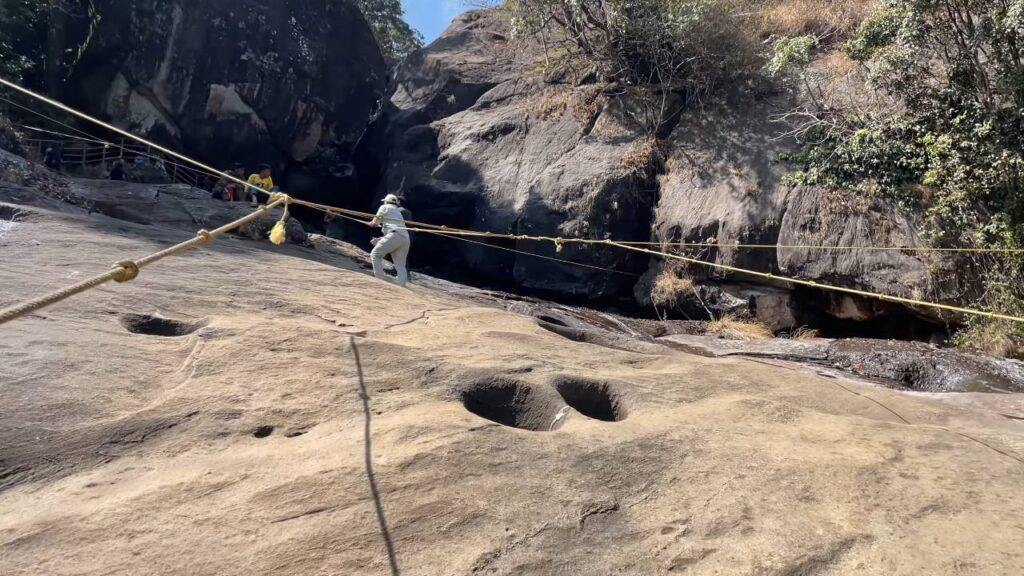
(368, 458)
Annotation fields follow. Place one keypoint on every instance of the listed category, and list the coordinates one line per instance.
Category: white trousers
(396, 246)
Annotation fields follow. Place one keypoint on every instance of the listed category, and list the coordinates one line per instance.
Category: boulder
(477, 143)
(292, 83)
(484, 133)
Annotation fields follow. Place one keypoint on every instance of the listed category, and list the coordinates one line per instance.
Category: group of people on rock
(122, 171)
(391, 217)
(261, 184)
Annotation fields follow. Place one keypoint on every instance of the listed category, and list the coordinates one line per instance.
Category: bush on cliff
(22, 39)
(946, 135)
(694, 46)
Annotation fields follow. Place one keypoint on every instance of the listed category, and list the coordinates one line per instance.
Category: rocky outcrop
(288, 82)
(475, 142)
(482, 133)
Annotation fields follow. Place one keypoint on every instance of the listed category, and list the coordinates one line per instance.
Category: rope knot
(127, 271)
(275, 196)
(205, 236)
(559, 245)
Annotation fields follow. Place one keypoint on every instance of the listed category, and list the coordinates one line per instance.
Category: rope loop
(206, 237)
(127, 270)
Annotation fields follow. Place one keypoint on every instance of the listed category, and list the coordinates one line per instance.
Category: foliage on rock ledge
(394, 35)
(946, 135)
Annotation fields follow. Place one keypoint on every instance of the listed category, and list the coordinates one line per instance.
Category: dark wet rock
(588, 326)
(927, 368)
(907, 365)
(289, 82)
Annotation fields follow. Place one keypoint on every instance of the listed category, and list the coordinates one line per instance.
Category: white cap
(392, 199)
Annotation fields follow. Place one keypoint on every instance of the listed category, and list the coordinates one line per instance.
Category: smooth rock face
(251, 409)
(476, 137)
(292, 83)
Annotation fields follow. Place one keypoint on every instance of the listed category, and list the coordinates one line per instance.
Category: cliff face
(475, 139)
(288, 82)
(482, 133)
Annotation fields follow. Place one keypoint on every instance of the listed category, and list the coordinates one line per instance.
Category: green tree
(949, 140)
(23, 40)
(394, 35)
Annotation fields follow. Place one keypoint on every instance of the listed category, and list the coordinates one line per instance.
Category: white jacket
(391, 220)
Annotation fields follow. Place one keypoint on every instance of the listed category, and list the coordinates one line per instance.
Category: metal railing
(83, 153)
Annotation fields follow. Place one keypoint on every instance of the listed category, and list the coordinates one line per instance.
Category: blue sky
(431, 17)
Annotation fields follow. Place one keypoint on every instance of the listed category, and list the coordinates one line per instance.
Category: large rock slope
(288, 82)
(250, 409)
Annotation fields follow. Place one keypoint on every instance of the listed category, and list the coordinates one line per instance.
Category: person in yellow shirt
(262, 180)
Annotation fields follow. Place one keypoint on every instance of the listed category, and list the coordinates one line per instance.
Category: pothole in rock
(263, 431)
(159, 326)
(593, 399)
(543, 318)
(516, 404)
(11, 213)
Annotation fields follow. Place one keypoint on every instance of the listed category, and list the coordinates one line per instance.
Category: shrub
(644, 157)
(821, 19)
(671, 286)
(23, 25)
(737, 328)
(695, 46)
(997, 338)
(394, 35)
(945, 136)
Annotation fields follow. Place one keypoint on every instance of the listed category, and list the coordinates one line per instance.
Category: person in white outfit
(395, 243)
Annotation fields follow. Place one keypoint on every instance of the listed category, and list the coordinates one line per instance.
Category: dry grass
(670, 286)
(553, 105)
(642, 157)
(587, 105)
(822, 18)
(738, 328)
(803, 333)
(994, 339)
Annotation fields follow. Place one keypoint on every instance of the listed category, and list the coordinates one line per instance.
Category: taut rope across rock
(123, 272)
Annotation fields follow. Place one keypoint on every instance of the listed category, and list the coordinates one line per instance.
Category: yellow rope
(128, 270)
(457, 233)
(127, 134)
(838, 248)
(829, 287)
(558, 242)
(431, 228)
